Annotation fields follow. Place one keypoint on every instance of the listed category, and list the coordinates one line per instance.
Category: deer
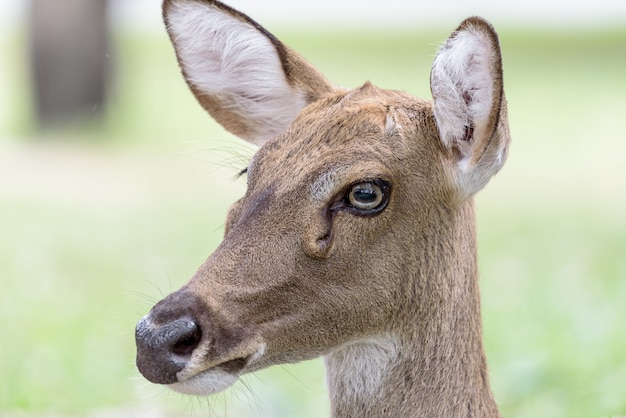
(355, 239)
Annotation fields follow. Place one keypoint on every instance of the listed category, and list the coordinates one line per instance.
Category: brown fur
(308, 281)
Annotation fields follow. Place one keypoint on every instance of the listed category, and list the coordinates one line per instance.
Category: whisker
(251, 398)
(294, 377)
(227, 154)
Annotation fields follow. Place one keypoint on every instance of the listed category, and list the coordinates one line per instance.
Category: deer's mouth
(205, 382)
(196, 379)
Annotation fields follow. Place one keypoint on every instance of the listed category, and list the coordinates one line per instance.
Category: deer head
(355, 237)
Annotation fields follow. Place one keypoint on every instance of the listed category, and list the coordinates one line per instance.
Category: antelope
(355, 239)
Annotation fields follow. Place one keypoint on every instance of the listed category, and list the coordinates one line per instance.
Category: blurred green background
(102, 217)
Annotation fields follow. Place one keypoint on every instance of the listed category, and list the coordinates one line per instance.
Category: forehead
(357, 131)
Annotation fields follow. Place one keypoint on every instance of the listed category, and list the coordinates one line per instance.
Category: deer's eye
(368, 197)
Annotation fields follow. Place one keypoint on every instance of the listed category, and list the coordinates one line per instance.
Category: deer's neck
(431, 361)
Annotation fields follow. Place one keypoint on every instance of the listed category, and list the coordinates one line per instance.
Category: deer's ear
(250, 82)
(469, 103)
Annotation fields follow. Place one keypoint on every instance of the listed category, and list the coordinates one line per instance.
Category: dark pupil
(365, 194)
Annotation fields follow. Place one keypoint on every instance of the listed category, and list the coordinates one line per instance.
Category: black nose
(163, 350)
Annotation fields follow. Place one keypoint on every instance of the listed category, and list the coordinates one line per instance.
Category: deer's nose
(163, 350)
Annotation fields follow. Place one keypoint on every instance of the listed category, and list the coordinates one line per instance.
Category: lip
(217, 377)
(234, 366)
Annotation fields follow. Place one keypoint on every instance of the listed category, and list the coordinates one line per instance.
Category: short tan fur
(355, 239)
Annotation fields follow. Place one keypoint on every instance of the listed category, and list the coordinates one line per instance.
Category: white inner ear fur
(462, 88)
(235, 63)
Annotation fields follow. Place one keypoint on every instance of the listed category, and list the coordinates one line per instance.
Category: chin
(205, 383)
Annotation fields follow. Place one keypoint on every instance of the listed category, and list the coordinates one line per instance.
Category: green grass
(96, 228)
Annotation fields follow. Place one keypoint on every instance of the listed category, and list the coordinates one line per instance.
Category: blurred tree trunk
(69, 55)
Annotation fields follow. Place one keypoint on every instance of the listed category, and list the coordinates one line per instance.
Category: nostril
(187, 343)
(163, 350)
